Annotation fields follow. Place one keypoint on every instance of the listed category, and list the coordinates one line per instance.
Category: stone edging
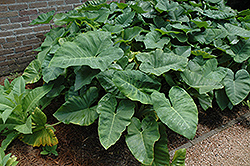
(211, 133)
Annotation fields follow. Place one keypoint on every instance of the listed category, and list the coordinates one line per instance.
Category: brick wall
(17, 37)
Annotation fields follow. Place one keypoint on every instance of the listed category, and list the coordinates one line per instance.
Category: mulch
(80, 146)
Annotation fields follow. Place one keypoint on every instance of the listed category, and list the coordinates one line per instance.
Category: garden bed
(80, 145)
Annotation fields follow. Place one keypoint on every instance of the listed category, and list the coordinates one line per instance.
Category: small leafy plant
(49, 150)
(7, 160)
(139, 66)
(21, 114)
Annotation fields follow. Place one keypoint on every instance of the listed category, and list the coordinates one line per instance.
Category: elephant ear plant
(135, 68)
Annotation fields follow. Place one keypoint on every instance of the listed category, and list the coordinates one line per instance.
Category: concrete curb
(211, 133)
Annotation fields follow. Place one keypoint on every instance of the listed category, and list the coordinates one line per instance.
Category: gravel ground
(230, 147)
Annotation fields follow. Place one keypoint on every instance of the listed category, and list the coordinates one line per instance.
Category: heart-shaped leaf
(154, 40)
(158, 62)
(141, 139)
(180, 113)
(241, 51)
(113, 119)
(93, 48)
(135, 85)
(237, 87)
(78, 110)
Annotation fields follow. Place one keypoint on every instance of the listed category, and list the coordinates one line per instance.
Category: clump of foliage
(139, 66)
(22, 116)
(7, 160)
(49, 150)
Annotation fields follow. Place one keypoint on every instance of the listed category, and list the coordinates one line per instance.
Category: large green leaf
(161, 153)
(130, 33)
(236, 30)
(84, 76)
(136, 85)
(241, 51)
(166, 5)
(157, 62)
(44, 18)
(237, 87)
(50, 72)
(105, 79)
(154, 40)
(125, 19)
(141, 139)
(32, 73)
(92, 48)
(218, 14)
(113, 119)
(78, 110)
(43, 137)
(204, 78)
(184, 51)
(33, 97)
(222, 99)
(180, 113)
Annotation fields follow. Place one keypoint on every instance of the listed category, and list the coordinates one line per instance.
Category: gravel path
(230, 147)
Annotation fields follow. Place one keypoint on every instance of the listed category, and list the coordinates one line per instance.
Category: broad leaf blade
(141, 139)
(78, 110)
(135, 85)
(181, 116)
(158, 62)
(113, 119)
(237, 87)
(33, 97)
(93, 48)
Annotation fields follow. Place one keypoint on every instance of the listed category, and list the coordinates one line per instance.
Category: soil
(80, 146)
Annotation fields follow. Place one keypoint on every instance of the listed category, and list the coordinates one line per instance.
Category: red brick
(45, 10)
(8, 14)
(17, 67)
(10, 26)
(23, 48)
(6, 51)
(65, 8)
(19, 19)
(55, 3)
(6, 33)
(18, 7)
(11, 39)
(41, 28)
(4, 21)
(71, 1)
(36, 46)
(7, 1)
(2, 41)
(27, 12)
(30, 53)
(11, 45)
(31, 41)
(38, 4)
(21, 38)
(3, 8)
(4, 70)
(23, 31)
(30, 36)
(25, 59)
(1, 47)
(22, 1)
(32, 17)
(15, 56)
